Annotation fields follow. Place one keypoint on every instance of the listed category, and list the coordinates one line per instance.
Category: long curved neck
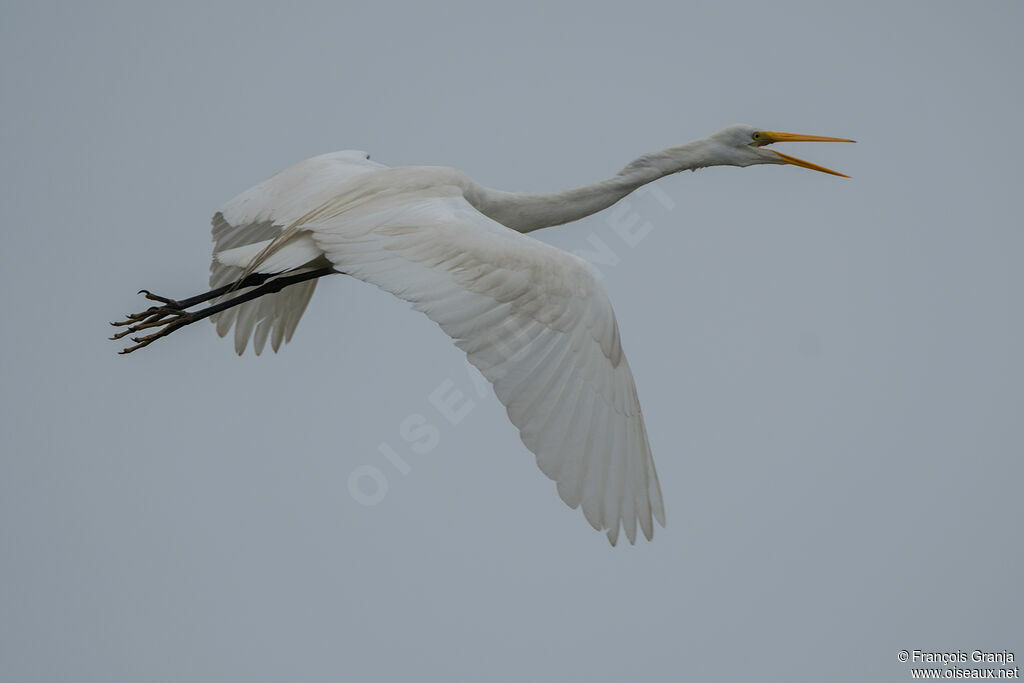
(525, 212)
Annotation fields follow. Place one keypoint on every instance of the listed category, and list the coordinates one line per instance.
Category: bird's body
(532, 318)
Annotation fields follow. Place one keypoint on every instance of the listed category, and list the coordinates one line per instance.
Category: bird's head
(743, 145)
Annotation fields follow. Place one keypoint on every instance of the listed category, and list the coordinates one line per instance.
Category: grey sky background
(829, 368)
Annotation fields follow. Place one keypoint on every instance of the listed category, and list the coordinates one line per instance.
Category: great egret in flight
(532, 318)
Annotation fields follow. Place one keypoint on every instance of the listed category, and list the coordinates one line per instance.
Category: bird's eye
(756, 136)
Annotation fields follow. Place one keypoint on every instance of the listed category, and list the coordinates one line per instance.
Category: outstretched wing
(261, 213)
(533, 319)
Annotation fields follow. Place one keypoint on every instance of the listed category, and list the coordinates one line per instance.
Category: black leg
(173, 316)
(251, 281)
(153, 313)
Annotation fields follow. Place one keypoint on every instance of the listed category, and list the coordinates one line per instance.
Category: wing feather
(533, 319)
(260, 214)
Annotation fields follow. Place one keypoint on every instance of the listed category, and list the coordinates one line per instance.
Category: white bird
(532, 318)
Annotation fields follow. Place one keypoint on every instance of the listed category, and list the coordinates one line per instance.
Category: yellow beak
(770, 136)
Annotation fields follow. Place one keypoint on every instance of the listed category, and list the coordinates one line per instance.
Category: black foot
(169, 317)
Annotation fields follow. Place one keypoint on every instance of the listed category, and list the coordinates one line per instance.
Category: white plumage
(259, 214)
(533, 319)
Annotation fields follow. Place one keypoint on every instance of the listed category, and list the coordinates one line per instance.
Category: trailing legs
(172, 315)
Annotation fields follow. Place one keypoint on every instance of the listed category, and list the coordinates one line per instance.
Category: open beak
(770, 136)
